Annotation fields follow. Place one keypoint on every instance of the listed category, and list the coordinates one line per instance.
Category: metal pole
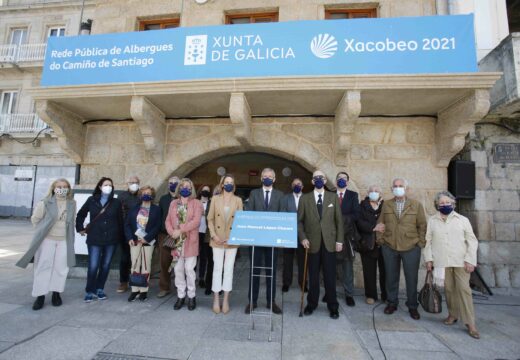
(251, 320)
(271, 300)
(81, 16)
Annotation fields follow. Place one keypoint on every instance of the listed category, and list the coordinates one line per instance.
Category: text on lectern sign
(263, 228)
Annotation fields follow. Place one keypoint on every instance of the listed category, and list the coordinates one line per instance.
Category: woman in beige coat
(452, 245)
(220, 219)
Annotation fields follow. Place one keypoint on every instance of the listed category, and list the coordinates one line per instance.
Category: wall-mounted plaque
(509, 153)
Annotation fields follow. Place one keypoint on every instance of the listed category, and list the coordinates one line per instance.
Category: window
(8, 102)
(18, 36)
(251, 18)
(334, 14)
(158, 24)
(56, 31)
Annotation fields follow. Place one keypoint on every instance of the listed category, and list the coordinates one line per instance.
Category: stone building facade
(376, 127)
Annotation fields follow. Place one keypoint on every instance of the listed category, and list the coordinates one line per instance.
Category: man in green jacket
(401, 230)
(320, 231)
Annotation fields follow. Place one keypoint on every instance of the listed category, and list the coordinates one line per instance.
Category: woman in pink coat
(183, 222)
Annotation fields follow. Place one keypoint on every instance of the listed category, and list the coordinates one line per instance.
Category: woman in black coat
(370, 252)
(104, 232)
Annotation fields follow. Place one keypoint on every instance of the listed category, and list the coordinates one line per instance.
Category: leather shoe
(56, 299)
(308, 310)
(163, 293)
(414, 314)
(248, 308)
(334, 314)
(38, 303)
(276, 308)
(178, 304)
(390, 309)
(192, 304)
(285, 288)
(207, 292)
(123, 287)
(350, 301)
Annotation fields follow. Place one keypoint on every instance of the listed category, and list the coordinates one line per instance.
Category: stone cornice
(341, 82)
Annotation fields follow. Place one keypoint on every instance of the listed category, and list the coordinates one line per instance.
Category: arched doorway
(247, 168)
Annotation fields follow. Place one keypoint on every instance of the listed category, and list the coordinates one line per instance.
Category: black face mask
(205, 193)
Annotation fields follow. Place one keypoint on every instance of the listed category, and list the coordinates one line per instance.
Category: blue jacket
(152, 227)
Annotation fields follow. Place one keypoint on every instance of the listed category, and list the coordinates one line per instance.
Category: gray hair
(441, 194)
(375, 188)
(402, 179)
(268, 170)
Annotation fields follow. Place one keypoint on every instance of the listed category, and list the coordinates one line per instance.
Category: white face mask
(373, 196)
(61, 192)
(398, 191)
(133, 187)
(107, 189)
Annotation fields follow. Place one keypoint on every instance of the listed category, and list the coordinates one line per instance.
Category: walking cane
(304, 281)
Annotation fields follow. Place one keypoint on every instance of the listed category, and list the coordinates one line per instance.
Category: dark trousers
(99, 259)
(411, 260)
(125, 262)
(165, 260)
(370, 264)
(263, 257)
(205, 261)
(327, 262)
(288, 264)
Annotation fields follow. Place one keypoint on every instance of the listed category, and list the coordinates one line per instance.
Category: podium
(263, 229)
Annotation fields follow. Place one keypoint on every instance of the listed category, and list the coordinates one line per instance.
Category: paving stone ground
(115, 329)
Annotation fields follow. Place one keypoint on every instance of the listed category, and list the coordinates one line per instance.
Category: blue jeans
(348, 276)
(99, 259)
(411, 260)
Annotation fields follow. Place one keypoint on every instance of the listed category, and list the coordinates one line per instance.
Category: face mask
(107, 189)
(446, 209)
(61, 192)
(228, 187)
(297, 189)
(133, 187)
(185, 192)
(318, 183)
(173, 187)
(146, 197)
(204, 193)
(398, 191)
(373, 196)
(342, 183)
(267, 181)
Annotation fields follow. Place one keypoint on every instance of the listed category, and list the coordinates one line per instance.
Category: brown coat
(217, 223)
(404, 233)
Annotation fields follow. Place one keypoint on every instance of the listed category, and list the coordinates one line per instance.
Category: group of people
(332, 228)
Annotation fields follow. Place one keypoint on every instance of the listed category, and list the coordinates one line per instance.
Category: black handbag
(430, 297)
(140, 278)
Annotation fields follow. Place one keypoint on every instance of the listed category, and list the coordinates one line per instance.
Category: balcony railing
(21, 123)
(22, 53)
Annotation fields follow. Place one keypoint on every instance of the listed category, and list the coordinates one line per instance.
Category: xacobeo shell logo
(324, 46)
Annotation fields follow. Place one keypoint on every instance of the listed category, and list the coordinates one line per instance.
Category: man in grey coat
(265, 198)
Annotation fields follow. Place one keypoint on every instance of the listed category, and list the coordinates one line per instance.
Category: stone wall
(495, 212)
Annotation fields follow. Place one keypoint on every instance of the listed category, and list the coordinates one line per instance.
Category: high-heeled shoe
(216, 303)
(225, 302)
(447, 321)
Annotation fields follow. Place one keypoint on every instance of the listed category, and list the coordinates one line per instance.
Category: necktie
(266, 200)
(319, 204)
(340, 198)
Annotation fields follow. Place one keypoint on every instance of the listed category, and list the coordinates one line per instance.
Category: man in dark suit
(349, 203)
(290, 204)
(265, 198)
(320, 230)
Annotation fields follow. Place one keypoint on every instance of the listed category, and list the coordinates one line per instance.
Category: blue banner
(264, 228)
(410, 45)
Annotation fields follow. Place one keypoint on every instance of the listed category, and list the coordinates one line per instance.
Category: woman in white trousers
(220, 219)
(52, 246)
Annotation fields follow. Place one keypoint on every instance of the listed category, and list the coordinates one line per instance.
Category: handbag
(170, 242)
(140, 278)
(97, 217)
(430, 297)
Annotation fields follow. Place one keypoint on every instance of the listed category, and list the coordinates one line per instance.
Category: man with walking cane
(320, 231)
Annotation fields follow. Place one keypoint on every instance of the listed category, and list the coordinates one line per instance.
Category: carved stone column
(240, 115)
(67, 126)
(455, 122)
(152, 125)
(347, 114)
